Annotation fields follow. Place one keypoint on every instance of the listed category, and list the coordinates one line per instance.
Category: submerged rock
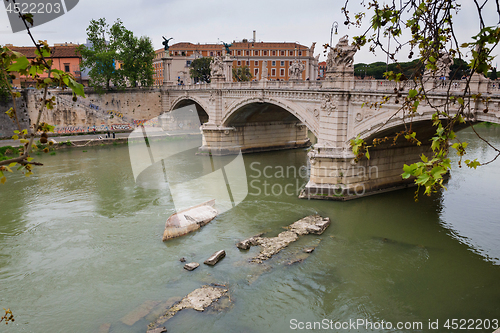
(157, 330)
(188, 220)
(104, 328)
(138, 313)
(313, 224)
(247, 243)
(182, 259)
(191, 266)
(198, 300)
(215, 258)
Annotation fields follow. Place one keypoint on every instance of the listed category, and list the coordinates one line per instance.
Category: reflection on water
(80, 246)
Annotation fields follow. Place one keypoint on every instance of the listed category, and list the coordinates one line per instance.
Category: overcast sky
(218, 20)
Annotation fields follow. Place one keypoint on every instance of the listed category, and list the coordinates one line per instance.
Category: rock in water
(198, 300)
(188, 220)
(308, 249)
(313, 224)
(215, 258)
(139, 312)
(191, 266)
(157, 330)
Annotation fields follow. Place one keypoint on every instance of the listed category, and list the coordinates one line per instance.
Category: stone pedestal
(167, 71)
(340, 77)
(228, 68)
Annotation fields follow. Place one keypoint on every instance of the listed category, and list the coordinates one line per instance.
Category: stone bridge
(269, 115)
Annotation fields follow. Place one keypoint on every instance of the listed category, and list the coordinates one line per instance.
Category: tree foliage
(111, 46)
(101, 56)
(12, 62)
(242, 74)
(431, 28)
(200, 69)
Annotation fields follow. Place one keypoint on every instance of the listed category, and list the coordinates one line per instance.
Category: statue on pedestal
(443, 64)
(216, 67)
(165, 42)
(340, 58)
(295, 70)
(227, 46)
(265, 72)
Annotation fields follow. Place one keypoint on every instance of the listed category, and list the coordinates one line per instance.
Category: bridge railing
(434, 85)
(252, 85)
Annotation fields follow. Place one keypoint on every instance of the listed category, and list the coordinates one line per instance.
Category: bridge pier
(253, 137)
(335, 174)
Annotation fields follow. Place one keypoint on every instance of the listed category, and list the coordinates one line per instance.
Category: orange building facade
(64, 56)
(278, 56)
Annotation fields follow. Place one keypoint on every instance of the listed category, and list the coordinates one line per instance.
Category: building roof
(57, 51)
(187, 46)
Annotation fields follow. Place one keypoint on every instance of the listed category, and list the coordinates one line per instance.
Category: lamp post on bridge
(334, 25)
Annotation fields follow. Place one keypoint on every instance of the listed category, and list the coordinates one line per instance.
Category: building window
(175, 53)
(282, 53)
(291, 53)
(300, 53)
(256, 72)
(188, 63)
(282, 63)
(211, 54)
(265, 53)
(248, 53)
(183, 53)
(274, 53)
(282, 72)
(248, 63)
(273, 71)
(256, 53)
(239, 63)
(239, 52)
(273, 63)
(256, 63)
(66, 68)
(218, 53)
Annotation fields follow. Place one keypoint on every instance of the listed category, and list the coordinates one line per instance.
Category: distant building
(279, 56)
(64, 55)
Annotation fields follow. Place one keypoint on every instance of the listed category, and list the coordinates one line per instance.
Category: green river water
(80, 246)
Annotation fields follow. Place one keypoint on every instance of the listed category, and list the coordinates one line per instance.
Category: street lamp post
(334, 25)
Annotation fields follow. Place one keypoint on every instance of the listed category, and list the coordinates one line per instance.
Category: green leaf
(13, 164)
(422, 179)
(412, 93)
(472, 164)
(3, 180)
(424, 158)
(460, 101)
(20, 64)
(437, 172)
(29, 159)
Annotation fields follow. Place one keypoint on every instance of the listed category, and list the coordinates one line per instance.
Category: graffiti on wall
(91, 129)
(114, 113)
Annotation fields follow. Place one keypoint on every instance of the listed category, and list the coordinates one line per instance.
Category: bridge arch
(240, 111)
(422, 124)
(201, 107)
